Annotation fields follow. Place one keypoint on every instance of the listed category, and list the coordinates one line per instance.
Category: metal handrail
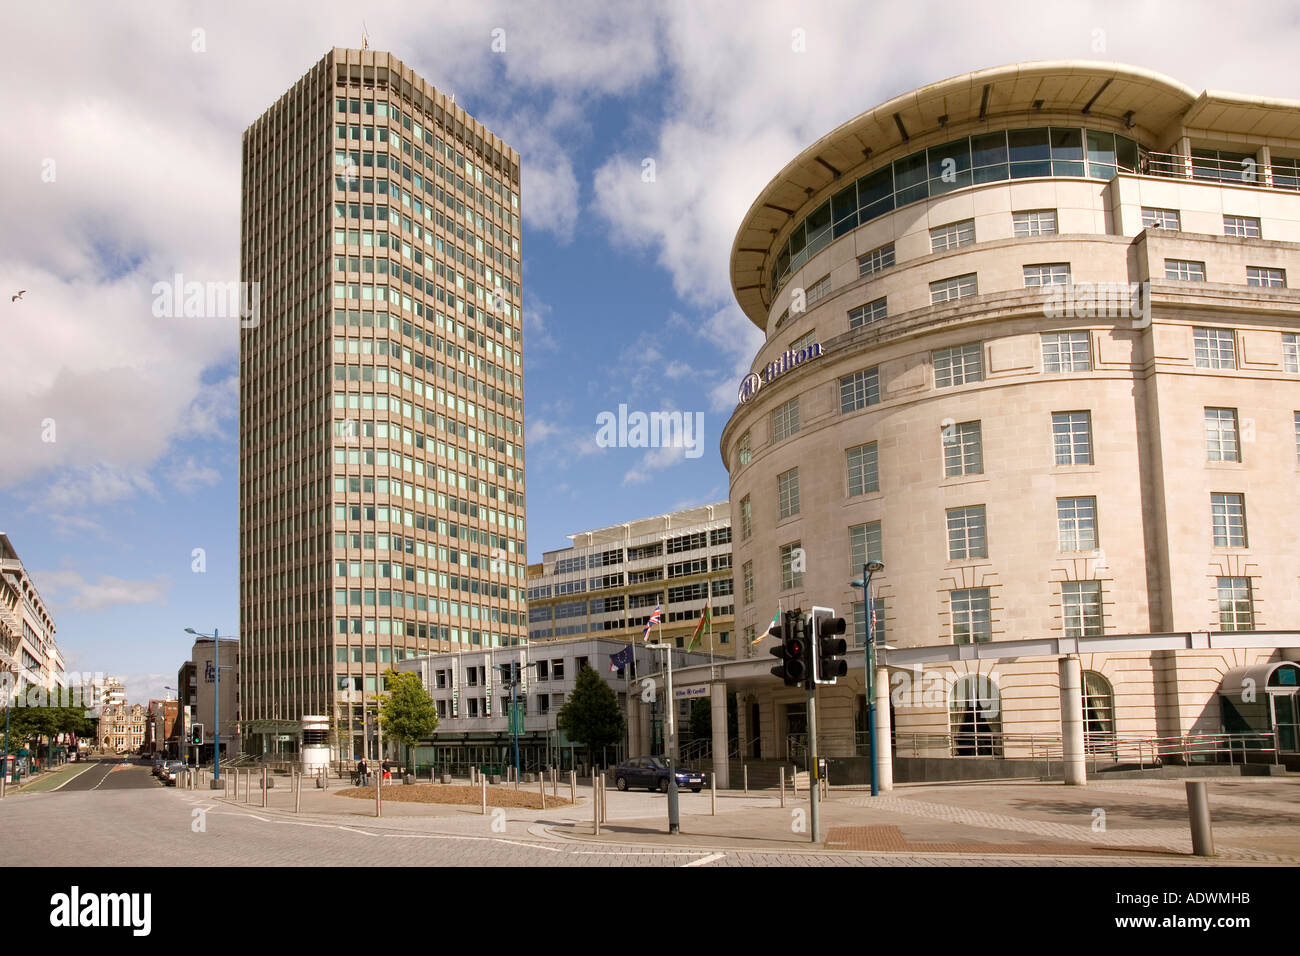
(1144, 750)
(1208, 169)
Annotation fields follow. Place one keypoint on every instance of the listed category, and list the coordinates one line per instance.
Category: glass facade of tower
(381, 394)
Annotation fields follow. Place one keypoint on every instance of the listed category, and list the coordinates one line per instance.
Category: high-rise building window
(1072, 437)
(787, 485)
(1290, 352)
(971, 616)
(791, 566)
(1185, 270)
(859, 390)
(1066, 352)
(785, 420)
(747, 577)
(1228, 518)
(1076, 524)
(1236, 604)
(1221, 435)
(1215, 348)
(873, 311)
(746, 518)
(952, 235)
(966, 533)
(1081, 608)
(1047, 273)
(1246, 227)
(958, 287)
(1153, 218)
(876, 260)
(1266, 276)
(864, 545)
(863, 468)
(1033, 222)
(958, 365)
(963, 452)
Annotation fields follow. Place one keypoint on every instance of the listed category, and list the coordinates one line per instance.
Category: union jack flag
(655, 618)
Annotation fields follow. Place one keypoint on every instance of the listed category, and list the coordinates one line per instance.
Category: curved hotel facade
(1031, 344)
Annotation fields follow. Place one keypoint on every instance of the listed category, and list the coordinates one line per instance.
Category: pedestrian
(388, 772)
(362, 772)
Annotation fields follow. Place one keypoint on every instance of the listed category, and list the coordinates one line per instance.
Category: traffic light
(792, 651)
(828, 649)
(196, 735)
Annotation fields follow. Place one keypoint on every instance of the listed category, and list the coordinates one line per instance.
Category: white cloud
(69, 588)
(189, 476)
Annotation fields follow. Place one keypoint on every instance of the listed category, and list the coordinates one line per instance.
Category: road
(113, 774)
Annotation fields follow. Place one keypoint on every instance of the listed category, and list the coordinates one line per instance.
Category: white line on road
(70, 779)
(705, 860)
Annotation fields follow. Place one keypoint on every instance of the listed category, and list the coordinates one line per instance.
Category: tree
(591, 716)
(407, 713)
(701, 724)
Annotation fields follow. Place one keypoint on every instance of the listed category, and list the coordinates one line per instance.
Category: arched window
(1098, 714)
(975, 717)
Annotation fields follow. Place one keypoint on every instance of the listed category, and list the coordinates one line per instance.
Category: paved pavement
(1257, 821)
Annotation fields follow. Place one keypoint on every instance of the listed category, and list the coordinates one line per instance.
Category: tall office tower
(381, 394)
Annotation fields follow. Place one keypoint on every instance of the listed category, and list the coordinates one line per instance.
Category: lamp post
(865, 583)
(514, 725)
(216, 704)
(674, 816)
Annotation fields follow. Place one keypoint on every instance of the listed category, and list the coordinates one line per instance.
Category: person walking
(362, 772)
(388, 772)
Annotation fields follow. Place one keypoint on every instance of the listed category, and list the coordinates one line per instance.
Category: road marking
(102, 779)
(352, 829)
(705, 860)
(70, 779)
(531, 846)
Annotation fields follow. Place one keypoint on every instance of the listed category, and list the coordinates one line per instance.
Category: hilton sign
(752, 382)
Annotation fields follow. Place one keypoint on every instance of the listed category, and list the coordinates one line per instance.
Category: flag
(705, 620)
(655, 618)
(776, 619)
(621, 659)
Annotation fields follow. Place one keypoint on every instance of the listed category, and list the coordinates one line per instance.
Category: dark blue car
(652, 773)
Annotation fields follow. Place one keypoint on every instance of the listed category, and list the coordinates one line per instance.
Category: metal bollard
(483, 781)
(745, 768)
(541, 785)
(713, 794)
(297, 794)
(604, 806)
(783, 786)
(595, 806)
(379, 782)
(1198, 812)
(573, 786)
(263, 786)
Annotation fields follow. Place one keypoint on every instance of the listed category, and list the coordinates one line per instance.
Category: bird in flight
(15, 298)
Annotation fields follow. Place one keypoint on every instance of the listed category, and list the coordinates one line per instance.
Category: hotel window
(966, 533)
(1267, 277)
(747, 579)
(791, 566)
(1215, 348)
(971, 621)
(1047, 273)
(1160, 218)
(1246, 227)
(859, 390)
(1236, 605)
(818, 290)
(746, 518)
(785, 420)
(1066, 352)
(744, 454)
(1297, 437)
(953, 235)
(1033, 222)
(1072, 437)
(873, 311)
(1076, 524)
(1228, 517)
(1081, 608)
(864, 545)
(804, 341)
(958, 365)
(963, 450)
(860, 621)
(958, 287)
(543, 703)
(787, 484)
(876, 260)
(1185, 270)
(1221, 435)
(863, 466)
(1290, 352)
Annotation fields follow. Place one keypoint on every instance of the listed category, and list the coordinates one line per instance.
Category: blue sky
(124, 169)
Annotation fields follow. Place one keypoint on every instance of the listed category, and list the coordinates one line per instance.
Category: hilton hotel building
(381, 393)
(1043, 479)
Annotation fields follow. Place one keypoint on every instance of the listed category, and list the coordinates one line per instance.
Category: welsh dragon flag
(706, 621)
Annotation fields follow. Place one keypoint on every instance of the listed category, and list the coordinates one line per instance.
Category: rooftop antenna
(365, 37)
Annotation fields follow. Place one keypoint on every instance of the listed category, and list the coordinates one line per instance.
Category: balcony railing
(1245, 172)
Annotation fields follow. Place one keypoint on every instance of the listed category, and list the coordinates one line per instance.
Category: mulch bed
(457, 796)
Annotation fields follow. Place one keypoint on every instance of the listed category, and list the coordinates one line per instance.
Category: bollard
(573, 786)
(541, 785)
(713, 794)
(604, 806)
(483, 781)
(1198, 812)
(297, 795)
(379, 785)
(745, 768)
(264, 786)
(783, 787)
(595, 806)
(555, 783)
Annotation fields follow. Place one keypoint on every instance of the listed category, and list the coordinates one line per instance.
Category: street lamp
(514, 725)
(865, 583)
(216, 704)
(674, 817)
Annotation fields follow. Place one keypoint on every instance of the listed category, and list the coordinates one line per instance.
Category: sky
(645, 130)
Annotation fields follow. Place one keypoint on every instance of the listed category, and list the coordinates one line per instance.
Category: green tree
(591, 716)
(407, 713)
(701, 723)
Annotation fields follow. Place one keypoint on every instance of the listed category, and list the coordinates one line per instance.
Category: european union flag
(622, 659)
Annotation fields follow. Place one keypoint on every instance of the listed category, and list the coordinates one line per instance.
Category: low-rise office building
(28, 650)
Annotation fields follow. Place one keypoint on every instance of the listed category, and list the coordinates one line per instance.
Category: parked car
(171, 770)
(652, 773)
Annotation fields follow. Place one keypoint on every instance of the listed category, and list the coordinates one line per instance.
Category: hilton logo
(752, 382)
